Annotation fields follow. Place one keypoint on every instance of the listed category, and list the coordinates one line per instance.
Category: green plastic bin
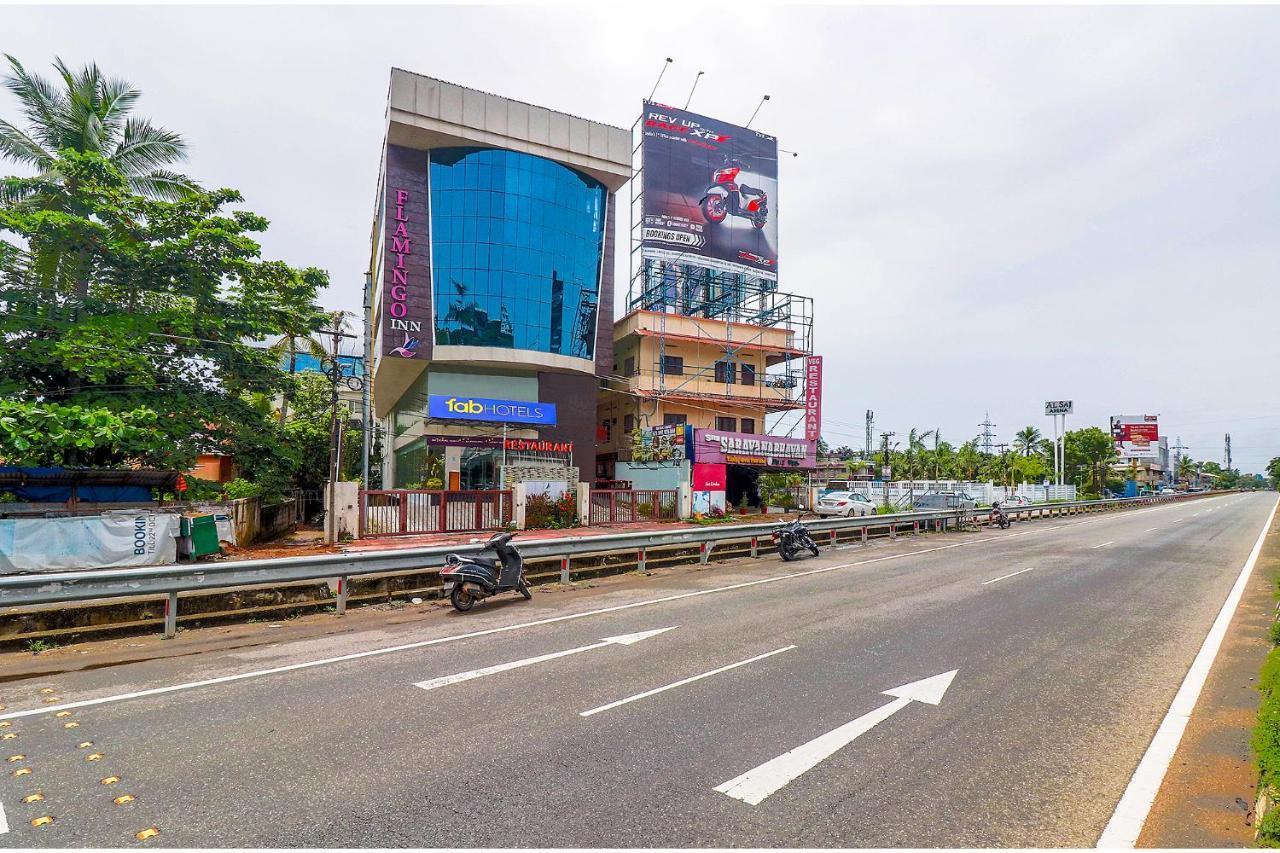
(204, 536)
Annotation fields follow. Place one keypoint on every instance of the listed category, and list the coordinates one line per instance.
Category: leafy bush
(241, 488)
(541, 512)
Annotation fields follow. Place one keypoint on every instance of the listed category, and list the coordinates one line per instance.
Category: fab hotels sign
(458, 408)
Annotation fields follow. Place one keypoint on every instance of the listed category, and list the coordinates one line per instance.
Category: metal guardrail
(81, 586)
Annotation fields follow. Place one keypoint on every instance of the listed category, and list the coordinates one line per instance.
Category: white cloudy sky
(992, 207)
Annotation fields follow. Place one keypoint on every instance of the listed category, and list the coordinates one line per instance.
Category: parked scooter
(468, 579)
(726, 197)
(792, 537)
(999, 517)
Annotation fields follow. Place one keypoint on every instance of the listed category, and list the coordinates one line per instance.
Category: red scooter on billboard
(726, 197)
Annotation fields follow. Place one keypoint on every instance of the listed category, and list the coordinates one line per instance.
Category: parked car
(845, 503)
(1015, 501)
(945, 500)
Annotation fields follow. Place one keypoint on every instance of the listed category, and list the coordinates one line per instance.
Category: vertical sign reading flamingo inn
(406, 299)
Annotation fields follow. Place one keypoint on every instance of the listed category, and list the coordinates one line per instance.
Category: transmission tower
(871, 431)
(1227, 451)
(988, 436)
(1177, 457)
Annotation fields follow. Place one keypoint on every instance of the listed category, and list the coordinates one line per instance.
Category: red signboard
(539, 445)
(709, 477)
(812, 397)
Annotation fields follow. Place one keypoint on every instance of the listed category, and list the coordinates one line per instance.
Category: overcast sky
(991, 207)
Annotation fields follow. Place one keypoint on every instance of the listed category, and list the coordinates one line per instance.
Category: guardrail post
(705, 552)
(755, 546)
(564, 569)
(834, 540)
(915, 527)
(640, 560)
(893, 530)
(343, 584)
(171, 616)
(864, 534)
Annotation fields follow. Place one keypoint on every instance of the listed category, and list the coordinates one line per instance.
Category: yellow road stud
(120, 801)
(84, 744)
(42, 821)
(149, 832)
(63, 714)
(6, 724)
(1, 707)
(71, 725)
(95, 757)
(17, 757)
(8, 736)
(33, 798)
(50, 699)
(22, 771)
(111, 780)
(46, 689)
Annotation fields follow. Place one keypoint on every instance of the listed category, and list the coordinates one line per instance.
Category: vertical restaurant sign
(812, 397)
(399, 248)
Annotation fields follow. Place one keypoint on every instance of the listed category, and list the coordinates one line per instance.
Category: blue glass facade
(516, 243)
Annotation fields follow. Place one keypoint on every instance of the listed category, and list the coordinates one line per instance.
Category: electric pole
(871, 431)
(886, 472)
(988, 437)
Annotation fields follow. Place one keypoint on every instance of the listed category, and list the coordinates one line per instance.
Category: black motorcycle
(999, 517)
(792, 537)
(472, 578)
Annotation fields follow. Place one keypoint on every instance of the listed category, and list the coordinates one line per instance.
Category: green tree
(968, 461)
(164, 297)
(1027, 440)
(90, 113)
(49, 434)
(1087, 455)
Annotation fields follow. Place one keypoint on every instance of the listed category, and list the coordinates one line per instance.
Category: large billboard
(710, 192)
(1136, 436)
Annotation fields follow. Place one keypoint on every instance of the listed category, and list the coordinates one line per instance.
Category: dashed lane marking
(1011, 574)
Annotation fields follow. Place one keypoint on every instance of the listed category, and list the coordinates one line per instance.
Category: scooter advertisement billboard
(710, 192)
(1136, 436)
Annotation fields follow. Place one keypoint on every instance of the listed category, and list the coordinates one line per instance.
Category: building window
(748, 374)
(672, 365)
(749, 426)
(628, 424)
(629, 366)
(604, 433)
(516, 244)
(727, 424)
(674, 420)
(725, 372)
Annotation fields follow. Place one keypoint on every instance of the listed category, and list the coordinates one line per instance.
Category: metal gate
(625, 506)
(401, 512)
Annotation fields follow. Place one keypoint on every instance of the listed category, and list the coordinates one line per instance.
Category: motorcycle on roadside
(999, 517)
(792, 538)
(468, 579)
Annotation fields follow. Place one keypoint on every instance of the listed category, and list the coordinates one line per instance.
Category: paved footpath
(995, 688)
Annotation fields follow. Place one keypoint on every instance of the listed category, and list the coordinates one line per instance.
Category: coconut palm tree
(1026, 440)
(87, 112)
(288, 348)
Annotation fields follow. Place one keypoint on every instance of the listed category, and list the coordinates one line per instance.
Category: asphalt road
(1069, 639)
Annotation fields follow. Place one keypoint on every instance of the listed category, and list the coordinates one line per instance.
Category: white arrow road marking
(758, 783)
(4, 821)
(1149, 529)
(1011, 574)
(684, 681)
(1104, 544)
(457, 678)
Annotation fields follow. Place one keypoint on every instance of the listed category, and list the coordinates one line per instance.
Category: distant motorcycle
(999, 517)
(473, 578)
(726, 197)
(792, 538)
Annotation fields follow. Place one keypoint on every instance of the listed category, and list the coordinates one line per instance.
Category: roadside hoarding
(1058, 407)
(710, 192)
(813, 397)
(1136, 436)
(765, 451)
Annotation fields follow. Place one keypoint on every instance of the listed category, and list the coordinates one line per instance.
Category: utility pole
(333, 370)
(886, 472)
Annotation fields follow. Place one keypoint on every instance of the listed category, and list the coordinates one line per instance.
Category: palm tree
(1186, 469)
(1026, 440)
(88, 113)
(290, 345)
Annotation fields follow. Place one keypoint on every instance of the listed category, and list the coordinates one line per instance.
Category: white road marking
(502, 629)
(1105, 544)
(458, 678)
(683, 682)
(1149, 529)
(754, 786)
(4, 821)
(1012, 574)
(1131, 812)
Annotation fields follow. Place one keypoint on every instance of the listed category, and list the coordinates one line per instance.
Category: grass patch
(1266, 741)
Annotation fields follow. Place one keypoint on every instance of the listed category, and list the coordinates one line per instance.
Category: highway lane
(1067, 656)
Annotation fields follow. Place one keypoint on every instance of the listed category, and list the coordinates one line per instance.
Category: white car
(845, 503)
